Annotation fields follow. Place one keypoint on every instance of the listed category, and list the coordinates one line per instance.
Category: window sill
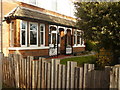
(78, 46)
(27, 48)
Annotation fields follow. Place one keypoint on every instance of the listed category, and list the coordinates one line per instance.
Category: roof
(22, 12)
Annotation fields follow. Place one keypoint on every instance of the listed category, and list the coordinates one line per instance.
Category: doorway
(62, 41)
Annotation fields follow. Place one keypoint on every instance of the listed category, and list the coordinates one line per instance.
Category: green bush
(103, 61)
(104, 58)
(90, 46)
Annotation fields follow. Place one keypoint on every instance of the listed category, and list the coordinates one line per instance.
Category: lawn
(80, 60)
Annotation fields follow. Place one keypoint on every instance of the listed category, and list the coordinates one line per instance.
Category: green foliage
(100, 22)
(104, 58)
(103, 61)
(90, 46)
(80, 60)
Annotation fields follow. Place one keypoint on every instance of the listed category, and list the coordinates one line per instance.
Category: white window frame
(75, 38)
(78, 44)
(50, 32)
(82, 44)
(37, 34)
(55, 32)
(43, 34)
(21, 33)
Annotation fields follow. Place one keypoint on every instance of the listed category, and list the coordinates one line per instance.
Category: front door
(68, 42)
(65, 42)
(62, 42)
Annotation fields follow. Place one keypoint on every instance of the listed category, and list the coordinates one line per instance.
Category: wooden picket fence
(21, 72)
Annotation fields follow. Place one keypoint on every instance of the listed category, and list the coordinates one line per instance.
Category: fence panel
(1, 69)
(48, 75)
(64, 74)
(59, 76)
(28, 73)
(39, 73)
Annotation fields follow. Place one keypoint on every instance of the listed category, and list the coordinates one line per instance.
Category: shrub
(90, 46)
(103, 61)
(104, 58)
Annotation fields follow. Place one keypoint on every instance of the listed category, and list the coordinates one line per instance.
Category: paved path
(69, 56)
(77, 56)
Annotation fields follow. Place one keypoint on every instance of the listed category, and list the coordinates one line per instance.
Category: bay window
(33, 34)
(29, 35)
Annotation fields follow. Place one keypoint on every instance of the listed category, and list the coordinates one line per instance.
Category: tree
(100, 22)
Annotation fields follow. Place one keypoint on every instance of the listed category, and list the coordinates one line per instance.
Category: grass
(80, 60)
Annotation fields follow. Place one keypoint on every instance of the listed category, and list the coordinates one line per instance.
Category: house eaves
(25, 13)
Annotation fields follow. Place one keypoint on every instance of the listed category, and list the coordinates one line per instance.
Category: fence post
(1, 58)
(54, 71)
(86, 80)
(70, 74)
(107, 75)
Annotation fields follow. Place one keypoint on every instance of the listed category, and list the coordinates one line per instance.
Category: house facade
(30, 30)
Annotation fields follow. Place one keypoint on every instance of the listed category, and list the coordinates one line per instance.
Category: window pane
(12, 34)
(78, 33)
(41, 39)
(23, 25)
(59, 39)
(74, 39)
(81, 41)
(74, 32)
(23, 37)
(52, 29)
(33, 27)
(42, 32)
(23, 33)
(49, 38)
(78, 39)
(33, 38)
(41, 28)
(12, 25)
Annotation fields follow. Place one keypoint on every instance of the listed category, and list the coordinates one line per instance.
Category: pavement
(69, 56)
